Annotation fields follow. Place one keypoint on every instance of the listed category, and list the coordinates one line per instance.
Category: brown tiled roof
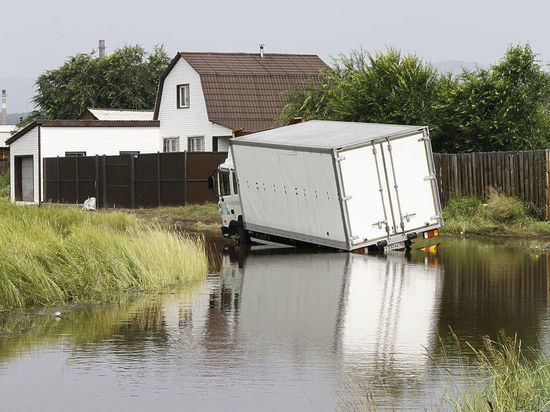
(246, 91)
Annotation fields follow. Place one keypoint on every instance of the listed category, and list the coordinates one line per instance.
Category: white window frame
(195, 144)
(182, 96)
(172, 143)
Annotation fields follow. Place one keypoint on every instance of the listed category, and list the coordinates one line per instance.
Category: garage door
(27, 179)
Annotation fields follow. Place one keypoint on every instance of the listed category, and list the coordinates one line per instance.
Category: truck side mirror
(211, 182)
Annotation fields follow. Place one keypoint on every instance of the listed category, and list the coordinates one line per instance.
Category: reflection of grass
(61, 254)
(501, 215)
(127, 319)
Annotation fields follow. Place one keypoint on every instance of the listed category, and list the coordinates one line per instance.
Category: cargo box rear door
(411, 182)
(365, 194)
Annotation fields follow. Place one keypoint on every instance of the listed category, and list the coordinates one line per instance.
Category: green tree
(380, 88)
(126, 79)
(504, 107)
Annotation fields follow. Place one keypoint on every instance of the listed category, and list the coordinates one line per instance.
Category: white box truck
(343, 185)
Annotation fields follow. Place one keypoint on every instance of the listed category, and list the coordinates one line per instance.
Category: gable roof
(81, 123)
(244, 90)
(92, 113)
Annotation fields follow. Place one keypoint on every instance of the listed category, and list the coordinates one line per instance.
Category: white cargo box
(339, 184)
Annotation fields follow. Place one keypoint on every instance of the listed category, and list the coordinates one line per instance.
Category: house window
(171, 144)
(75, 154)
(183, 96)
(195, 144)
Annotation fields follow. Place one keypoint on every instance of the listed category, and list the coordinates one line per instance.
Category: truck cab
(229, 203)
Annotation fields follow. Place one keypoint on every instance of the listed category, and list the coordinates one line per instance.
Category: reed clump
(501, 216)
(507, 378)
(62, 254)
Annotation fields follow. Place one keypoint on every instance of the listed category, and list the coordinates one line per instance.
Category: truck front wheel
(241, 237)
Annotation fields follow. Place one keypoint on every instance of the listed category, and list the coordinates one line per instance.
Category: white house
(43, 139)
(5, 134)
(92, 113)
(203, 100)
(206, 98)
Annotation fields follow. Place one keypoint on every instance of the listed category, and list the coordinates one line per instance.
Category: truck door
(365, 194)
(410, 182)
(229, 201)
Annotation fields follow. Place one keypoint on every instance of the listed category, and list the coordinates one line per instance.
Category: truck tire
(241, 237)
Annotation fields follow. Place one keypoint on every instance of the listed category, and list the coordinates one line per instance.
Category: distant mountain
(13, 118)
(455, 67)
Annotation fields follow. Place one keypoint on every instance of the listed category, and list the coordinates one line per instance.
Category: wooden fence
(130, 181)
(524, 175)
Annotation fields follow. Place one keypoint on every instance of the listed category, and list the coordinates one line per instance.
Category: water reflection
(276, 329)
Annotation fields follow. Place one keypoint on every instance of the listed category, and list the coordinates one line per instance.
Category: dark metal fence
(524, 175)
(130, 181)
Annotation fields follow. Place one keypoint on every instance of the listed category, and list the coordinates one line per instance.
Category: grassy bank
(196, 217)
(61, 254)
(500, 216)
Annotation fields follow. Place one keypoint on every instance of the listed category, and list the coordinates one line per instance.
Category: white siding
(191, 121)
(98, 141)
(55, 141)
(26, 145)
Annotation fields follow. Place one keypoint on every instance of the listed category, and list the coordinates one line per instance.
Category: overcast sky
(39, 35)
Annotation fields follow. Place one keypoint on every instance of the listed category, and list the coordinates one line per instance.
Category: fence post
(158, 178)
(76, 173)
(185, 178)
(104, 181)
(58, 182)
(96, 183)
(132, 183)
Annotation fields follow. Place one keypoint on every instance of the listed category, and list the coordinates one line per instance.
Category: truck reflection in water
(363, 311)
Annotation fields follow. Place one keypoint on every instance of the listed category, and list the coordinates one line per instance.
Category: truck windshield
(225, 189)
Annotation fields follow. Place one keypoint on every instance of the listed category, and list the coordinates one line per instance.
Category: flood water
(280, 329)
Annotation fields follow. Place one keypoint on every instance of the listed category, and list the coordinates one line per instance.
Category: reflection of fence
(4, 166)
(145, 180)
(520, 174)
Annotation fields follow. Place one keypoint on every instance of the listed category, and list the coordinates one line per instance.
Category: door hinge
(339, 159)
(430, 177)
(346, 198)
(379, 224)
(408, 216)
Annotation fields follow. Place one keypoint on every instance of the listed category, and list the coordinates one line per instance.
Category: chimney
(262, 50)
(101, 49)
(4, 108)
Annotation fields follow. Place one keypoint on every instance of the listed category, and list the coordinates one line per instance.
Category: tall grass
(506, 379)
(501, 215)
(501, 376)
(62, 254)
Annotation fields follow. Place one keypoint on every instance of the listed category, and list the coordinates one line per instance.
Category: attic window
(183, 96)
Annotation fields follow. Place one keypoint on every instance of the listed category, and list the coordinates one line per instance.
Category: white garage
(42, 139)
